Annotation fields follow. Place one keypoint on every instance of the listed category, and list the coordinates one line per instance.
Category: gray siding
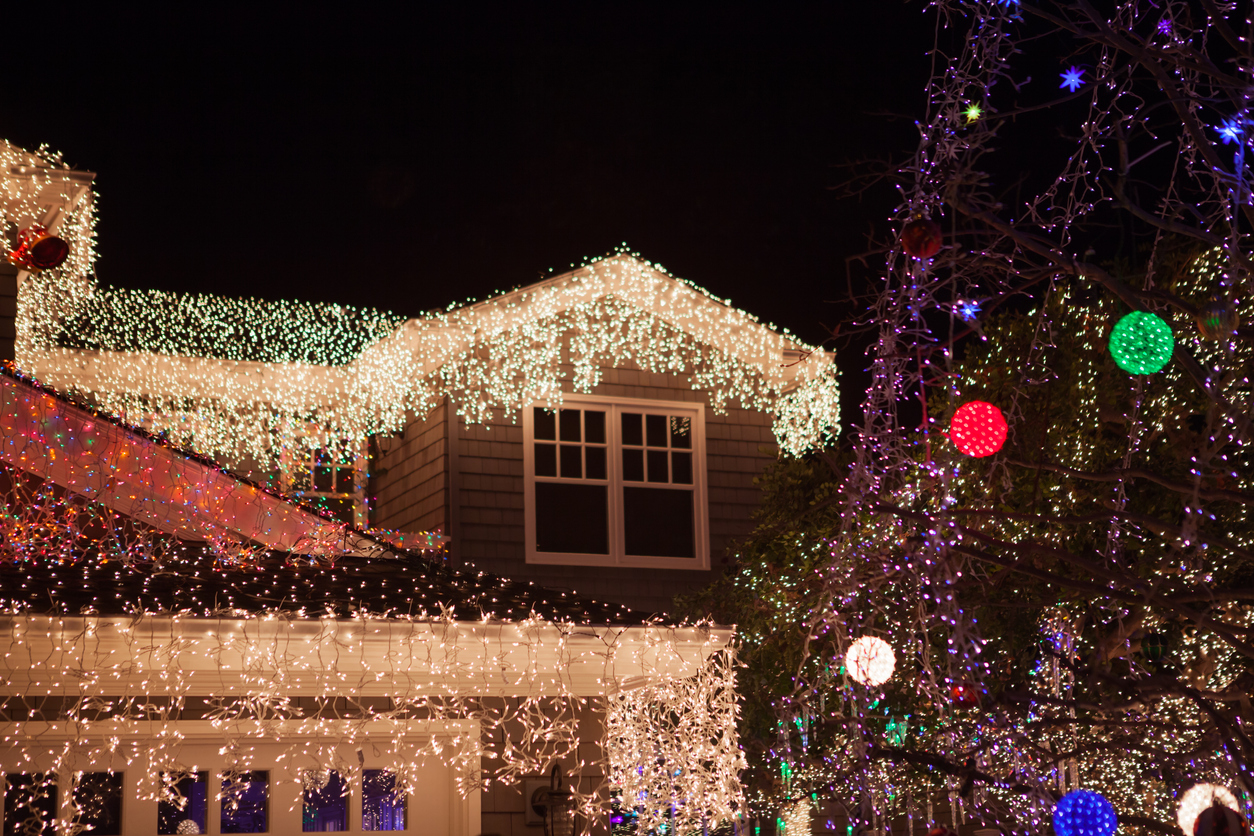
(488, 530)
(409, 478)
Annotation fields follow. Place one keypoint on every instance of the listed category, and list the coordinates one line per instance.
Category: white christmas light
(870, 660)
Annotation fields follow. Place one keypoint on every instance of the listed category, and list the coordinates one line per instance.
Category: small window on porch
(30, 804)
(246, 803)
(98, 803)
(382, 807)
(325, 802)
(188, 811)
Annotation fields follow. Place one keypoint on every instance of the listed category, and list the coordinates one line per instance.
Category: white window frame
(617, 556)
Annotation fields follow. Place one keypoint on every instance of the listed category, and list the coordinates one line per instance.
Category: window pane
(324, 479)
(631, 429)
(681, 432)
(30, 799)
(633, 465)
(572, 462)
(573, 519)
(594, 427)
(570, 425)
(326, 802)
(681, 468)
(656, 426)
(244, 803)
(657, 466)
(344, 479)
(658, 522)
(594, 462)
(382, 808)
(546, 460)
(191, 804)
(98, 801)
(545, 424)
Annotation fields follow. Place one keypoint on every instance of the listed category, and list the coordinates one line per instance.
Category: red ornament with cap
(38, 249)
(921, 238)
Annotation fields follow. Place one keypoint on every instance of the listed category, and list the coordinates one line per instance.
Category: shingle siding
(408, 478)
(489, 493)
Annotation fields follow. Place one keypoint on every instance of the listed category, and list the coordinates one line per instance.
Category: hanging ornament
(38, 249)
(1218, 820)
(1084, 813)
(978, 428)
(1141, 343)
(1217, 320)
(870, 660)
(921, 238)
(1198, 800)
(1154, 646)
(187, 826)
(965, 694)
(315, 780)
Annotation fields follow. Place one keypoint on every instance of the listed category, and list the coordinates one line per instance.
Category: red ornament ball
(1218, 820)
(965, 693)
(978, 428)
(921, 238)
(940, 830)
(38, 249)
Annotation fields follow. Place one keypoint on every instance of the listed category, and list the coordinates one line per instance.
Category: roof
(98, 456)
(490, 359)
(103, 518)
(196, 583)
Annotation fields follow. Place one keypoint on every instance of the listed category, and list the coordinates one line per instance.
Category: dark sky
(405, 159)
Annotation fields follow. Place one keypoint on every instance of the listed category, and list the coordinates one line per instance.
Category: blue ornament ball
(1084, 813)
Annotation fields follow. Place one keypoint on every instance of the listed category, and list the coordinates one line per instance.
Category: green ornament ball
(1141, 343)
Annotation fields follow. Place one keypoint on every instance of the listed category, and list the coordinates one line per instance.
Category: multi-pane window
(615, 483)
(331, 479)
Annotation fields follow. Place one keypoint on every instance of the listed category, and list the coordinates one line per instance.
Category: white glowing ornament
(870, 660)
(1197, 799)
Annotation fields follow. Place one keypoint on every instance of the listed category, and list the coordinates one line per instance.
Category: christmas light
(1084, 813)
(870, 660)
(1141, 343)
(978, 429)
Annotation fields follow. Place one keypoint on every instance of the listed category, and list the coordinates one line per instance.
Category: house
(188, 652)
(598, 431)
(307, 619)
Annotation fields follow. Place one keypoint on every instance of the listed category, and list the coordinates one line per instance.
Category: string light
(870, 660)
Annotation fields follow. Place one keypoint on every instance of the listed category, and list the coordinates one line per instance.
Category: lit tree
(1072, 609)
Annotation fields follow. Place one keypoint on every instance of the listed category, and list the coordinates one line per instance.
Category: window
(382, 808)
(184, 805)
(246, 802)
(331, 479)
(98, 803)
(30, 805)
(616, 483)
(325, 802)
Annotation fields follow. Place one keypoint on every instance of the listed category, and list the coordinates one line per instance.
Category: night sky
(408, 159)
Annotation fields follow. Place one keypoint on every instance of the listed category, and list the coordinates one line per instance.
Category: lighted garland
(491, 360)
